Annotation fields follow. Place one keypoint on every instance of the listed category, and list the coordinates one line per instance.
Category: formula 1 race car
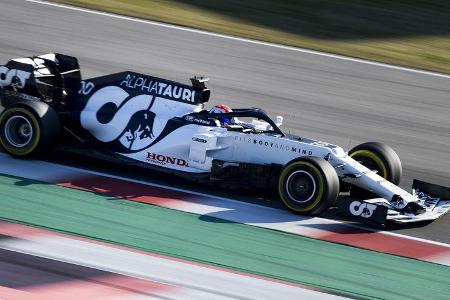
(163, 125)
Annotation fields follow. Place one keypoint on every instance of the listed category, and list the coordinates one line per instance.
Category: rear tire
(308, 185)
(28, 129)
(378, 157)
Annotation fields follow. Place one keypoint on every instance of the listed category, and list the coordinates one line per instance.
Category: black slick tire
(380, 158)
(308, 185)
(28, 129)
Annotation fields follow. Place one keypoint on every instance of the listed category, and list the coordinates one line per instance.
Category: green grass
(408, 33)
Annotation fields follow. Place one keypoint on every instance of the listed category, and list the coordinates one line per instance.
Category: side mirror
(279, 121)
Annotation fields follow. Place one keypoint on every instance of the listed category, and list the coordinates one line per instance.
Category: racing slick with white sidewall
(162, 125)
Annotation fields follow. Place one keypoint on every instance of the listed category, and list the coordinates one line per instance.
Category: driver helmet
(222, 109)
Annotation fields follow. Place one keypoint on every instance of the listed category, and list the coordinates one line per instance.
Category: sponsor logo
(363, 209)
(158, 88)
(111, 115)
(199, 140)
(165, 159)
(86, 87)
(270, 144)
(14, 77)
(197, 120)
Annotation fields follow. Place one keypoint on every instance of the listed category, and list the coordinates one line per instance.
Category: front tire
(28, 129)
(378, 157)
(308, 185)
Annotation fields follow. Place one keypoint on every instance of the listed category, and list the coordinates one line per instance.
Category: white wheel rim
(290, 178)
(18, 131)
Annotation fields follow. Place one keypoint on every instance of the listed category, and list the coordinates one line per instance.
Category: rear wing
(57, 78)
(16, 75)
(135, 84)
(46, 76)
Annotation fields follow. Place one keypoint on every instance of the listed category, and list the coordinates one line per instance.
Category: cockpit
(249, 120)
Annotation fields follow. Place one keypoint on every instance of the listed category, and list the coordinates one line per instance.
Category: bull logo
(140, 127)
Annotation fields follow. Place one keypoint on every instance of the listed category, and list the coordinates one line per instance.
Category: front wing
(434, 198)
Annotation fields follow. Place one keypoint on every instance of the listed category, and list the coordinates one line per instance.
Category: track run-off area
(277, 252)
(83, 233)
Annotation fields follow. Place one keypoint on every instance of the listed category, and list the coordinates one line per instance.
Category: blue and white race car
(163, 125)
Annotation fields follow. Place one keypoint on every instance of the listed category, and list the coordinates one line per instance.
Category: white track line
(245, 40)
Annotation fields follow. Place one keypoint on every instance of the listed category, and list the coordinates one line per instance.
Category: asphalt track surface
(339, 101)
